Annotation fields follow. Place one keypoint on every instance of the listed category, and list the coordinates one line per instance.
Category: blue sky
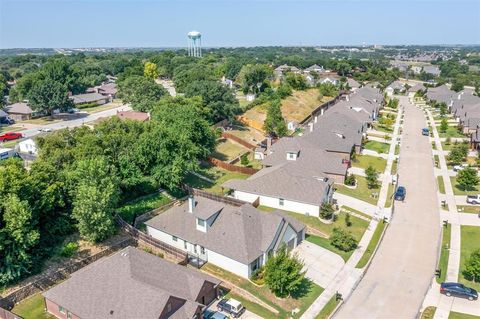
(122, 23)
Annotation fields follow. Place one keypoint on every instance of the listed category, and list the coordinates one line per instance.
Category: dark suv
(458, 290)
(400, 193)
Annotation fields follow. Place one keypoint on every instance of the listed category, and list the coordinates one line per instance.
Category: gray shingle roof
(289, 181)
(309, 157)
(18, 108)
(87, 98)
(132, 284)
(240, 233)
(3, 114)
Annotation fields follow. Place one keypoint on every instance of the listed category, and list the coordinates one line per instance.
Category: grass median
(372, 245)
(444, 253)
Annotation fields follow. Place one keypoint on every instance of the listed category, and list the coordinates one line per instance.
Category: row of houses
(465, 107)
(98, 95)
(403, 66)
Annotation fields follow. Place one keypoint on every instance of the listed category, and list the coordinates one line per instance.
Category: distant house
(353, 85)
(330, 80)
(132, 284)
(395, 87)
(28, 146)
(107, 89)
(314, 68)
(284, 68)
(239, 239)
(133, 115)
(432, 69)
(19, 111)
(90, 98)
(415, 88)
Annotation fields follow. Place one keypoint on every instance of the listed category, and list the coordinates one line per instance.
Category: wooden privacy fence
(141, 237)
(318, 109)
(218, 198)
(44, 281)
(238, 140)
(5, 314)
(230, 167)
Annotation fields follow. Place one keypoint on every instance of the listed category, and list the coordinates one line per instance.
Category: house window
(69, 315)
(202, 250)
(169, 307)
(200, 222)
(195, 249)
(281, 201)
(185, 244)
(61, 309)
(174, 238)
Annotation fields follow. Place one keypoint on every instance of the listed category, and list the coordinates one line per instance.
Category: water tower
(194, 44)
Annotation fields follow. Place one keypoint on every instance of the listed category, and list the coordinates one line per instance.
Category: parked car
(425, 131)
(7, 120)
(457, 168)
(45, 129)
(209, 314)
(473, 199)
(456, 289)
(400, 193)
(10, 136)
(231, 306)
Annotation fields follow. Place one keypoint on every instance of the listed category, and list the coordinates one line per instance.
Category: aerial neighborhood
(215, 182)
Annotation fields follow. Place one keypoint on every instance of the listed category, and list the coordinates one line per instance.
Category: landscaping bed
(441, 184)
(452, 131)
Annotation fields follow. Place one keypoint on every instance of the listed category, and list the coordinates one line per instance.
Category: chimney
(191, 203)
(316, 118)
(311, 126)
(321, 111)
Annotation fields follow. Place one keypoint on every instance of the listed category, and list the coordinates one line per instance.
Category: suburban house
(475, 140)
(239, 239)
(353, 85)
(108, 89)
(337, 133)
(432, 69)
(314, 68)
(284, 68)
(132, 284)
(328, 79)
(133, 115)
(415, 88)
(297, 149)
(19, 111)
(441, 94)
(394, 88)
(90, 98)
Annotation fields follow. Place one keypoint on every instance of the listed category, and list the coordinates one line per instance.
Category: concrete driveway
(401, 271)
(321, 264)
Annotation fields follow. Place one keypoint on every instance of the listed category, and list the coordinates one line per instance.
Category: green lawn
(458, 190)
(10, 128)
(100, 108)
(228, 150)
(376, 146)
(397, 149)
(32, 308)
(328, 309)
(468, 209)
(251, 306)
(458, 315)
(470, 243)
(141, 205)
(357, 227)
(452, 131)
(428, 313)
(394, 167)
(325, 243)
(310, 292)
(391, 190)
(444, 254)
(383, 128)
(361, 192)
(363, 161)
(441, 184)
(371, 245)
(216, 174)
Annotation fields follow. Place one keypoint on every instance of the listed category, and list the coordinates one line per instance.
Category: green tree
(253, 78)
(326, 211)
(188, 73)
(150, 70)
(443, 109)
(18, 237)
(467, 178)
(371, 177)
(275, 123)
(343, 239)
(327, 89)
(218, 101)
(95, 198)
(244, 159)
(283, 273)
(296, 81)
(458, 154)
(47, 95)
(472, 266)
(443, 125)
(141, 92)
(343, 68)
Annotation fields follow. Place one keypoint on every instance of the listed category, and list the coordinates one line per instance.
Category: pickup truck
(10, 136)
(231, 306)
(473, 199)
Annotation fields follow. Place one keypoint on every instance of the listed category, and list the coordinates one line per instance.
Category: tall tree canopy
(141, 92)
(253, 77)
